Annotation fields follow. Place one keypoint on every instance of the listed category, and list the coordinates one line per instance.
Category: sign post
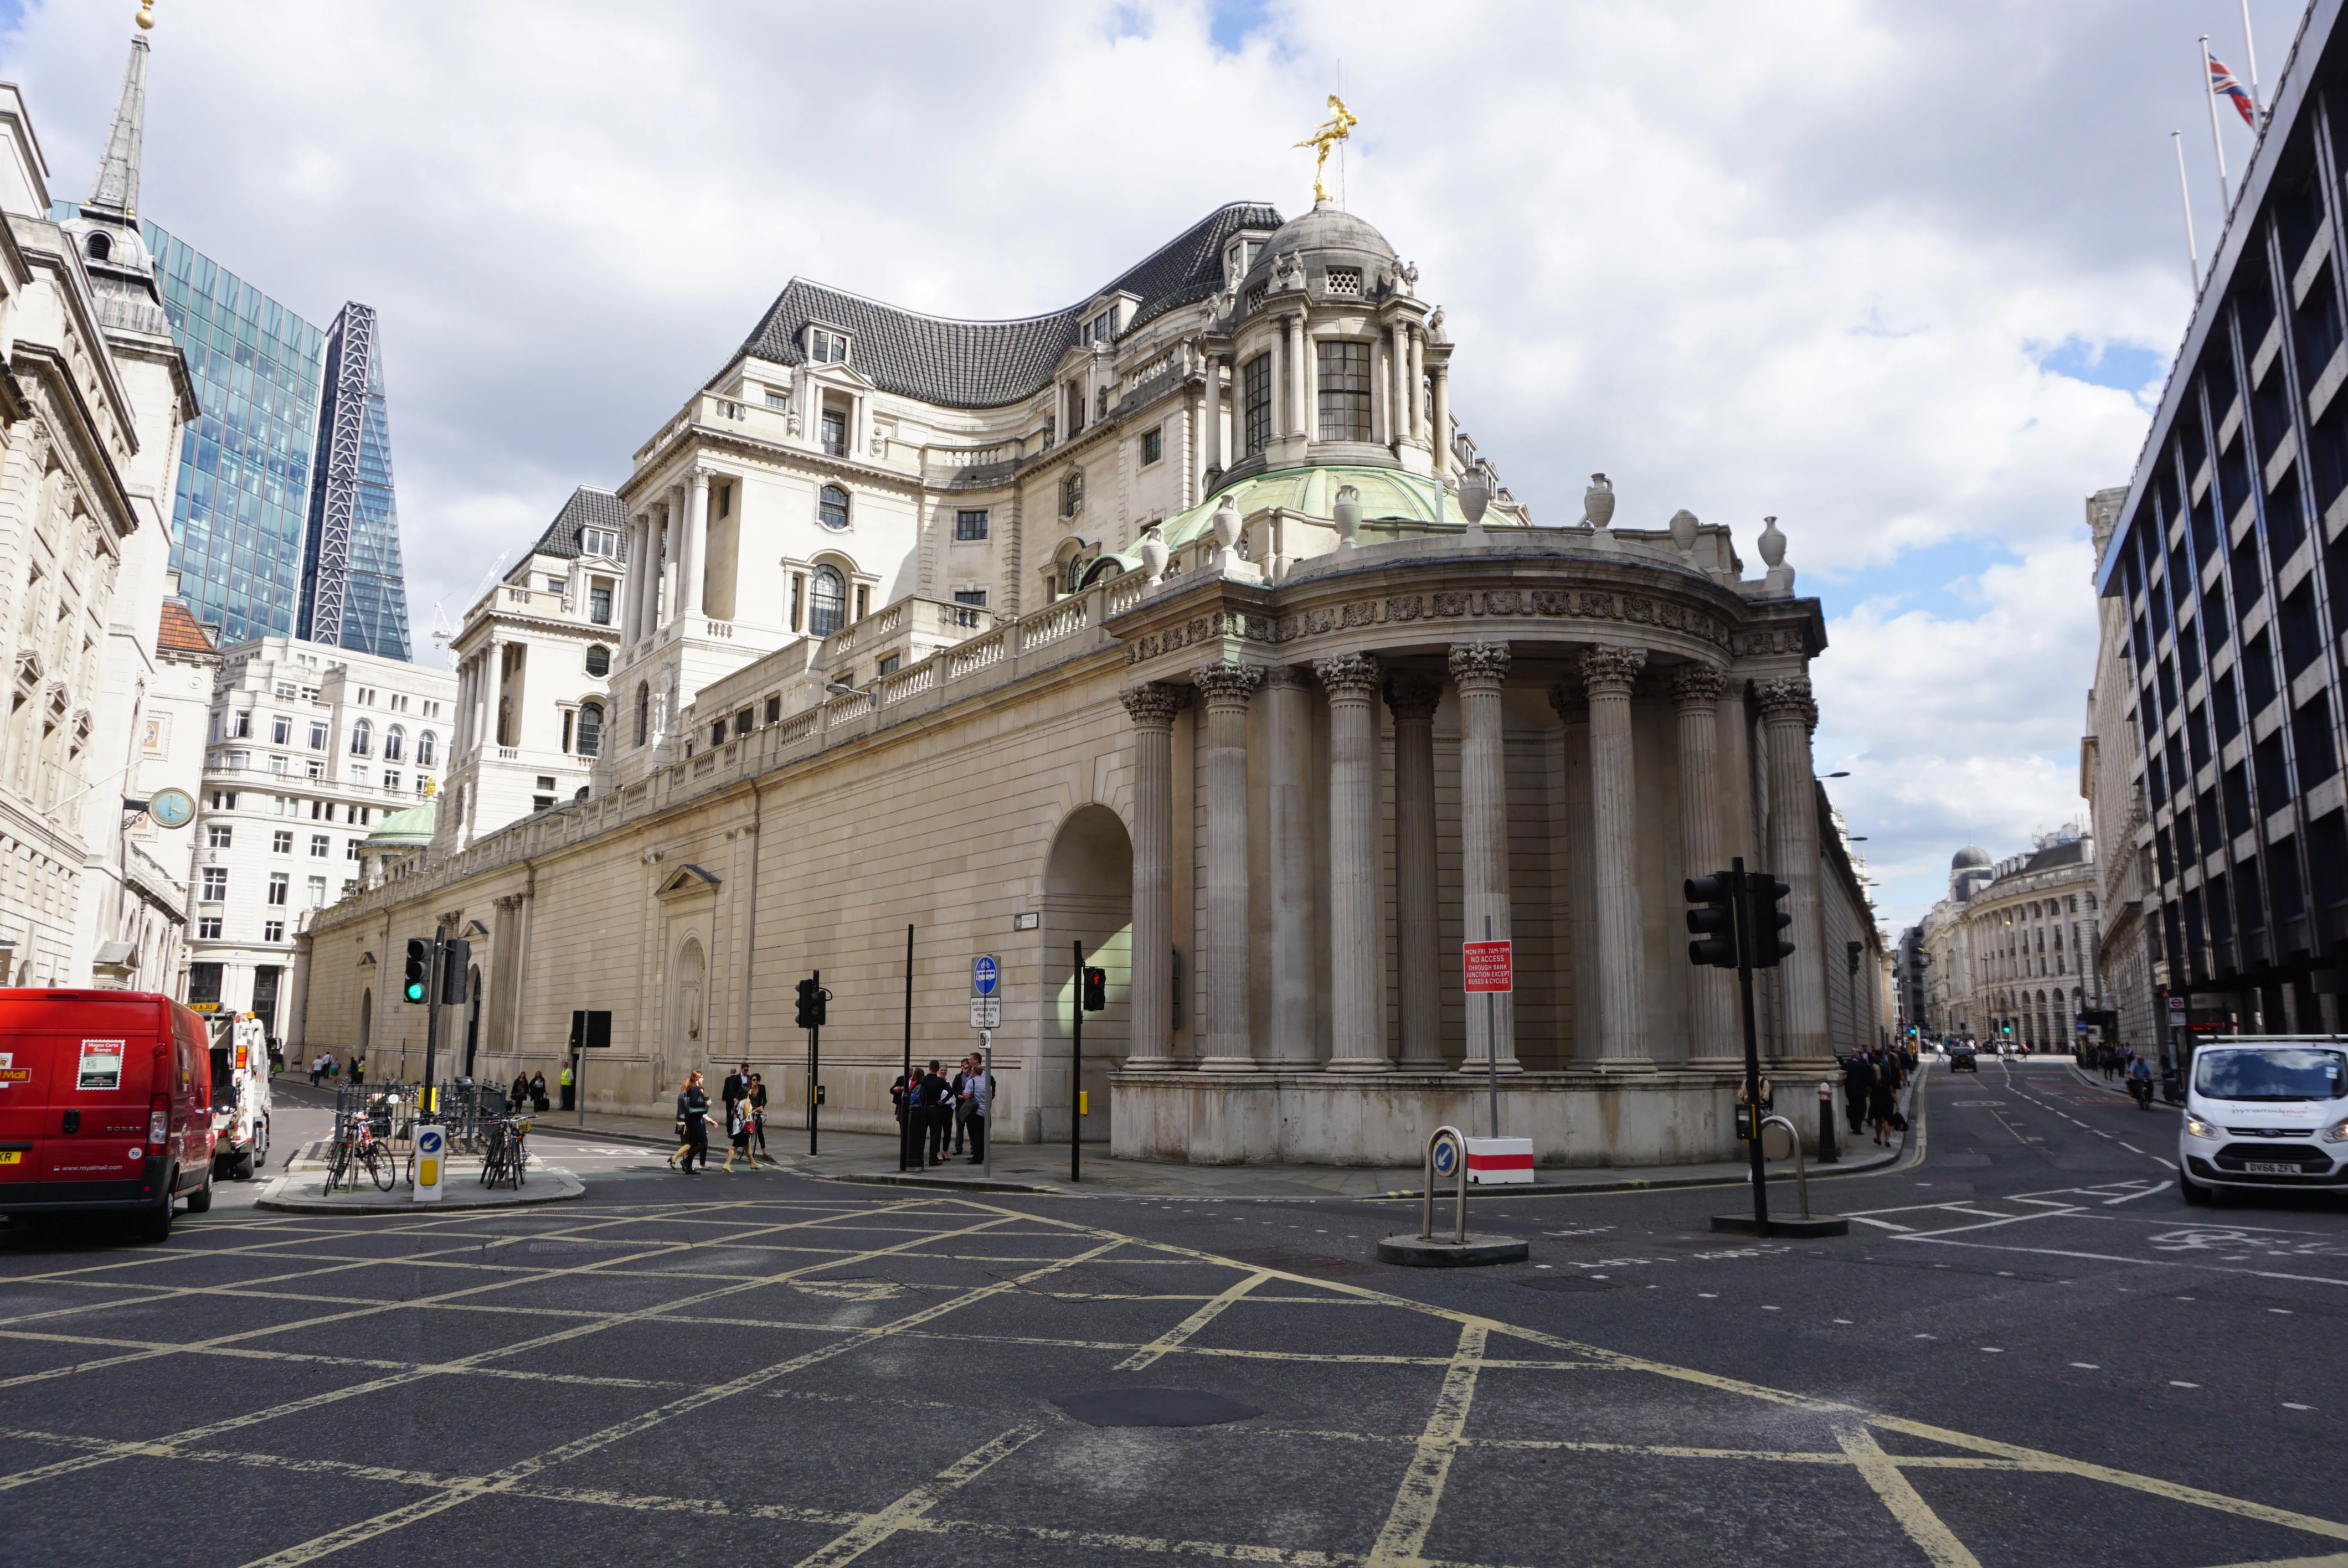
(987, 1017)
(1489, 967)
(431, 1149)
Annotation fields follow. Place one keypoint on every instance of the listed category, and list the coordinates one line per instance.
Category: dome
(1969, 859)
(1327, 234)
(401, 828)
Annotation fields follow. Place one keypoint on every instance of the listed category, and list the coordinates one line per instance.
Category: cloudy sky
(1906, 277)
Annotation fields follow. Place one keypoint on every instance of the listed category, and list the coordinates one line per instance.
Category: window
(281, 728)
(831, 507)
(590, 728)
(362, 738)
(281, 842)
(286, 689)
(970, 525)
(285, 806)
(223, 800)
(208, 930)
(825, 346)
(317, 735)
(240, 726)
(395, 745)
(1102, 328)
(217, 836)
(1153, 447)
(215, 887)
(278, 763)
(889, 665)
(541, 803)
(553, 585)
(1255, 388)
(1343, 281)
(425, 749)
(835, 432)
(236, 759)
(775, 399)
(355, 844)
(569, 718)
(798, 597)
(1072, 493)
(315, 889)
(314, 768)
(599, 604)
(366, 696)
(603, 542)
(743, 719)
(320, 845)
(359, 775)
(970, 596)
(281, 885)
(717, 733)
(1344, 390)
(273, 930)
(863, 600)
(827, 603)
(644, 711)
(599, 662)
(774, 709)
(391, 778)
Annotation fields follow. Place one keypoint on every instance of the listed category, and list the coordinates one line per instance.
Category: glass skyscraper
(245, 464)
(354, 592)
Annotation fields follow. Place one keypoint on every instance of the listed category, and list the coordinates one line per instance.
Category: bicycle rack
(1801, 1180)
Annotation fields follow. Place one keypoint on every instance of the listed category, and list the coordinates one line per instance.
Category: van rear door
(102, 1055)
(25, 1093)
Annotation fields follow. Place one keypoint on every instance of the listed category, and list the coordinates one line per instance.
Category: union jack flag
(2222, 83)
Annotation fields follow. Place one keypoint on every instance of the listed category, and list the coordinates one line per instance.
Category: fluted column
(1788, 712)
(1439, 436)
(1418, 969)
(694, 561)
(1572, 898)
(1412, 385)
(1298, 415)
(1357, 980)
(1295, 1038)
(1713, 1037)
(1152, 708)
(1479, 669)
(1226, 1046)
(1210, 437)
(1398, 359)
(677, 500)
(1606, 675)
(644, 581)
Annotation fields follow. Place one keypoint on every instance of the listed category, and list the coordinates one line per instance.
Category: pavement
(2028, 1352)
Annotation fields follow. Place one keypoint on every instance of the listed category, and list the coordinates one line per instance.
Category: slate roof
(588, 507)
(986, 365)
(180, 631)
(2070, 853)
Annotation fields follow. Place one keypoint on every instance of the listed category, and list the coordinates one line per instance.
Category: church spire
(117, 176)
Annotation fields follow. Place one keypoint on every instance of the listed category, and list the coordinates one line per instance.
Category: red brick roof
(181, 632)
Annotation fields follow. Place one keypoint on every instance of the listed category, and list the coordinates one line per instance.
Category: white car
(2265, 1113)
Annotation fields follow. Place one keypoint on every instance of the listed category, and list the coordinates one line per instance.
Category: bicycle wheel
(338, 1164)
(383, 1166)
(520, 1162)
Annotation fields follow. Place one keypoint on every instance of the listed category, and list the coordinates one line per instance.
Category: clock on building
(171, 807)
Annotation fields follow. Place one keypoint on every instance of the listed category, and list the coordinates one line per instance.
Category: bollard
(1426, 1191)
(1828, 1153)
(1801, 1178)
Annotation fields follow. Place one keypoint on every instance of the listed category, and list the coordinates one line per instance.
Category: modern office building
(353, 593)
(2230, 560)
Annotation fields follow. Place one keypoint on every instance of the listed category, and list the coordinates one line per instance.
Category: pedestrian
(276, 1057)
(735, 1087)
(738, 1133)
(902, 1091)
(978, 1095)
(757, 1100)
(958, 1085)
(519, 1094)
(691, 1124)
(537, 1091)
(358, 1072)
(937, 1111)
(570, 1086)
(317, 1068)
(1856, 1076)
(1882, 1101)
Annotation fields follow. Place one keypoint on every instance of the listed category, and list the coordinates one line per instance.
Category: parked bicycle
(358, 1147)
(506, 1154)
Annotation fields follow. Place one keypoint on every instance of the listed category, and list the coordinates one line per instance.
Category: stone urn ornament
(1780, 577)
(1475, 495)
(1349, 516)
(1683, 526)
(1153, 553)
(1227, 534)
(1598, 501)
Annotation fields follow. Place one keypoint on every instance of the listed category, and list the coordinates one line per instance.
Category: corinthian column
(1357, 981)
(1574, 898)
(1606, 675)
(1479, 669)
(695, 565)
(1153, 707)
(1413, 699)
(1295, 1038)
(1713, 1038)
(1226, 1046)
(1788, 713)
(1210, 436)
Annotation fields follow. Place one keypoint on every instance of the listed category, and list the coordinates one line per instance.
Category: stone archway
(689, 1028)
(1087, 900)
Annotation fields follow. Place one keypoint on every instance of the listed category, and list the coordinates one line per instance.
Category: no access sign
(1488, 966)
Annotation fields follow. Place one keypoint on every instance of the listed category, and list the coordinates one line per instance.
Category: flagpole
(2215, 141)
(2185, 199)
(2251, 52)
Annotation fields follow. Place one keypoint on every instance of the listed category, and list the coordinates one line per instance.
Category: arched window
(831, 507)
(590, 728)
(425, 750)
(1102, 569)
(644, 711)
(395, 743)
(362, 738)
(829, 602)
(99, 248)
(599, 660)
(1072, 493)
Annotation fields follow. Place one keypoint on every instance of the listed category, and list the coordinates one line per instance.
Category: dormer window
(99, 248)
(1241, 256)
(825, 346)
(605, 542)
(1102, 328)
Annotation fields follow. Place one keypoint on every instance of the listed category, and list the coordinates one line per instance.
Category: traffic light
(1715, 924)
(1096, 988)
(1764, 893)
(419, 965)
(811, 995)
(456, 966)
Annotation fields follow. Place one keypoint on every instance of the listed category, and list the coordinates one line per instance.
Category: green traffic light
(415, 991)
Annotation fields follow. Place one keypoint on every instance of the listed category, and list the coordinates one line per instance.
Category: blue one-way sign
(985, 975)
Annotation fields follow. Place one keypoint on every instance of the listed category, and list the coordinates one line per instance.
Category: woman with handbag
(691, 1124)
(738, 1122)
(757, 1102)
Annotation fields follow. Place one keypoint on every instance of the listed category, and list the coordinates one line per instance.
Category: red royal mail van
(105, 1105)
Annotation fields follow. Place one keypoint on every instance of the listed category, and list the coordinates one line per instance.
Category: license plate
(11, 1156)
(2269, 1168)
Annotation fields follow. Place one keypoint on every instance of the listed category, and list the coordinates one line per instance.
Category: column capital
(1570, 703)
(1698, 685)
(1479, 665)
(1228, 685)
(1414, 697)
(1607, 671)
(1787, 697)
(700, 477)
(1353, 675)
(1153, 704)
(1284, 676)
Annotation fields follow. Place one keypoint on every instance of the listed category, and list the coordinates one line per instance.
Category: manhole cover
(1293, 1262)
(1570, 1282)
(1155, 1408)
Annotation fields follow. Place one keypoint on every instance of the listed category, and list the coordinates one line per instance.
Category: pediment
(687, 881)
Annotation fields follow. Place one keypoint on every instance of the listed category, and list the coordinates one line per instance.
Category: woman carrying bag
(691, 1124)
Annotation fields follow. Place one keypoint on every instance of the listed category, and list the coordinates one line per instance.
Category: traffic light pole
(1076, 1058)
(429, 1110)
(815, 1073)
(1747, 935)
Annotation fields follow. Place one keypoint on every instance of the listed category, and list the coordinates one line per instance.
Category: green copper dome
(413, 826)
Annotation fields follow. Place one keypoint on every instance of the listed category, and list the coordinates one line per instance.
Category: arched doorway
(692, 981)
(1087, 900)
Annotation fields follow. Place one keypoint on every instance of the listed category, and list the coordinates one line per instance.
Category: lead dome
(1971, 857)
(1326, 235)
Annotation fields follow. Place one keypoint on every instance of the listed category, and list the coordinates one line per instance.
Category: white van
(240, 1053)
(2265, 1112)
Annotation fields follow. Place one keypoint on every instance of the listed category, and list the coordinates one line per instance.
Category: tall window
(1072, 493)
(1256, 402)
(280, 883)
(1153, 446)
(831, 507)
(970, 525)
(599, 662)
(835, 432)
(425, 749)
(827, 603)
(1344, 390)
(281, 730)
(599, 604)
(590, 728)
(362, 738)
(395, 745)
(318, 735)
(644, 711)
(215, 889)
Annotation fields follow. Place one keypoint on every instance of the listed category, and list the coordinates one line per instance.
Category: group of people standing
(1872, 1081)
(936, 1111)
(529, 1092)
(743, 1105)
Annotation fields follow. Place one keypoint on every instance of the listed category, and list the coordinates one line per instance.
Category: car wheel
(199, 1202)
(2191, 1190)
(242, 1170)
(156, 1224)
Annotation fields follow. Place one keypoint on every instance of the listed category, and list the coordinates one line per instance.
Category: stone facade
(2011, 953)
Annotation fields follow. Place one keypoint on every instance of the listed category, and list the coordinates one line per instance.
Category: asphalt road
(2028, 1352)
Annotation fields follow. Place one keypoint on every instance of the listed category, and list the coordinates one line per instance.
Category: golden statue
(1342, 121)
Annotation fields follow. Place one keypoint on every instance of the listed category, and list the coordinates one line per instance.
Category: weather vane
(1342, 121)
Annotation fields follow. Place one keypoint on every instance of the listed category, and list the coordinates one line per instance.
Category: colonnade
(1400, 366)
(1603, 875)
(669, 547)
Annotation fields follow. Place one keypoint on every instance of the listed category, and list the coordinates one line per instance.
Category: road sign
(985, 975)
(590, 1030)
(1488, 966)
(986, 1013)
(2176, 1010)
(430, 1147)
